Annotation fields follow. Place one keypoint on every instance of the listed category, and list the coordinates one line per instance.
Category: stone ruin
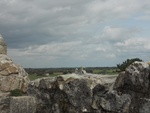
(73, 93)
(12, 77)
(3, 47)
(80, 71)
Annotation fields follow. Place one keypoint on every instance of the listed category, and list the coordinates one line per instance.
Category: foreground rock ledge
(77, 94)
(91, 94)
(63, 94)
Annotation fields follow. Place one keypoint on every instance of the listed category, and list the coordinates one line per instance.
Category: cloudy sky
(70, 33)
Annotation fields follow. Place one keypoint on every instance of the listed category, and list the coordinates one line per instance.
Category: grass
(34, 76)
(95, 71)
(105, 71)
(16, 92)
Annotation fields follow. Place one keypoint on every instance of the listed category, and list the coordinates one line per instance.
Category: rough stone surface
(135, 81)
(23, 104)
(63, 94)
(144, 105)
(12, 76)
(112, 102)
(3, 47)
(80, 71)
(76, 94)
(4, 102)
(92, 94)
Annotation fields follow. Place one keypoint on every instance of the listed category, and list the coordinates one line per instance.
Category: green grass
(95, 71)
(16, 92)
(34, 76)
(105, 71)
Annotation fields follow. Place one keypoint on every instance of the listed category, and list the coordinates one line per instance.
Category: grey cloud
(26, 24)
(28, 19)
(32, 22)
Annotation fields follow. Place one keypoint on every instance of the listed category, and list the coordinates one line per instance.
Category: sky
(74, 33)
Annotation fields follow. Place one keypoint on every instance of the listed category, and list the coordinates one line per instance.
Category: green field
(105, 71)
(39, 73)
(34, 76)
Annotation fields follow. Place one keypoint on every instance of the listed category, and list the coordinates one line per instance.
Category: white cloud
(134, 47)
(133, 42)
(108, 9)
(114, 33)
(111, 55)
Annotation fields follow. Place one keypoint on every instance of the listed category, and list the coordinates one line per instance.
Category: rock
(95, 94)
(23, 104)
(77, 94)
(12, 76)
(136, 78)
(63, 94)
(3, 47)
(144, 105)
(4, 102)
(80, 71)
(110, 101)
(135, 81)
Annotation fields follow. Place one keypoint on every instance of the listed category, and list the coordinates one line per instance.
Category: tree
(126, 63)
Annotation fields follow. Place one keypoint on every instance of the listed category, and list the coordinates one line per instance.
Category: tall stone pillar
(3, 46)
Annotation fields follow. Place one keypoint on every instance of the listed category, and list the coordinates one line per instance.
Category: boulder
(135, 81)
(12, 76)
(87, 93)
(110, 101)
(136, 78)
(64, 94)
